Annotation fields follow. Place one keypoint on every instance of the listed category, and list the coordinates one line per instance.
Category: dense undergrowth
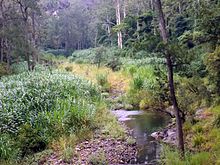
(203, 141)
(42, 108)
(37, 107)
(147, 79)
(196, 82)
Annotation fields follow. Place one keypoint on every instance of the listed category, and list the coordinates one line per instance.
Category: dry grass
(117, 80)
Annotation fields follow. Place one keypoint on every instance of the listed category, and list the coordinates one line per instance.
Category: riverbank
(97, 150)
(167, 135)
(140, 123)
(111, 141)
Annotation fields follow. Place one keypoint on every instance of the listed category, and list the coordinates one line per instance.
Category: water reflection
(143, 124)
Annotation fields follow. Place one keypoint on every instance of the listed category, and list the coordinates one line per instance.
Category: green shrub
(148, 88)
(216, 121)
(101, 56)
(212, 62)
(102, 80)
(8, 149)
(190, 95)
(30, 140)
(138, 83)
(147, 61)
(69, 68)
(57, 52)
(114, 63)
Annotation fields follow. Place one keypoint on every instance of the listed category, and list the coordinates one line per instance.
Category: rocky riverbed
(99, 149)
(167, 135)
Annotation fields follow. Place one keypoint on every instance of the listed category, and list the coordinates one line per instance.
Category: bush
(191, 94)
(57, 52)
(216, 121)
(114, 63)
(138, 83)
(212, 62)
(102, 80)
(69, 68)
(148, 88)
(101, 56)
(30, 140)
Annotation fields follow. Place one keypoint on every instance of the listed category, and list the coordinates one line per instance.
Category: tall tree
(164, 35)
(27, 10)
(118, 20)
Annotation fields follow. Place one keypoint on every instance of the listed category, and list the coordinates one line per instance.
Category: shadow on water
(143, 124)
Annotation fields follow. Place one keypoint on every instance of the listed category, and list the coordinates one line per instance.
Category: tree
(164, 35)
(27, 10)
(118, 18)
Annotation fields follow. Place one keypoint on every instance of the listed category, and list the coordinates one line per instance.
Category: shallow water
(143, 124)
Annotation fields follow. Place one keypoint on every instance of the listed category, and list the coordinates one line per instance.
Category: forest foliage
(122, 35)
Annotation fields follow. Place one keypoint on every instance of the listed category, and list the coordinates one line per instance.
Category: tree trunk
(118, 18)
(96, 38)
(3, 28)
(164, 36)
(7, 55)
(2, 50)
(27, 49)
(34, 54)
(180, 6)
(124, 9)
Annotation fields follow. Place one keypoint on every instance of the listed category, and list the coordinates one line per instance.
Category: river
(142, 124)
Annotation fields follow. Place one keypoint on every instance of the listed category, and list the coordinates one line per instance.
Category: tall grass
(172, 157)
(37, 107)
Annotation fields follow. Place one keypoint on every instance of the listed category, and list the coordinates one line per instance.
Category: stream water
(142, 125)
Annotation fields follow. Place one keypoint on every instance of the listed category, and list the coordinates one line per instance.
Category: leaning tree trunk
(164, 36)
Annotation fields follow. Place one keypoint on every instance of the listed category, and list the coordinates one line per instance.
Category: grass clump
(131, 141)
(198, 140)
(98, 158)
(171, 156)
